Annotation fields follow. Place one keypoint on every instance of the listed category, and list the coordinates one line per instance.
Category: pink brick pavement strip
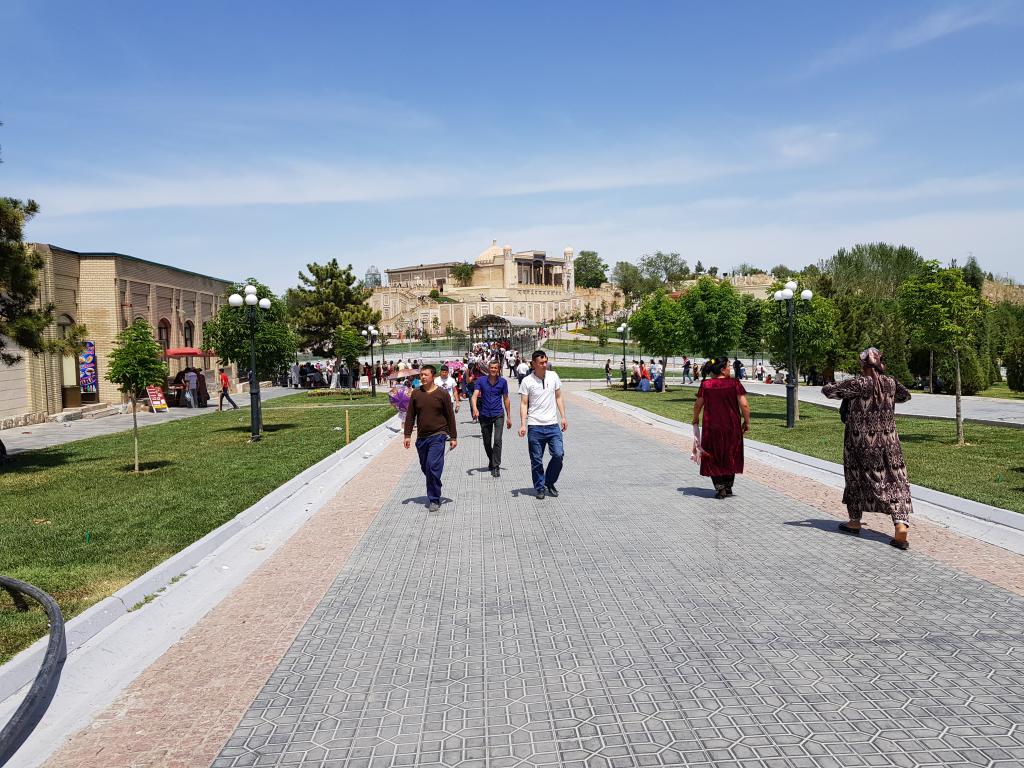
(976, 558)
(179, 712)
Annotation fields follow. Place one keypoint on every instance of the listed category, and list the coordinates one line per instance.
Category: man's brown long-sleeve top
(431, 413)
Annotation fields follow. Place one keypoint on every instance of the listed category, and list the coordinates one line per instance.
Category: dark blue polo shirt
(491, 400)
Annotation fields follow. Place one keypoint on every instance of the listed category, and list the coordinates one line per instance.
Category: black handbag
(844, 410)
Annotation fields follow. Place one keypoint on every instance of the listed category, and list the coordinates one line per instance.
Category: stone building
(104, 292)
(528, 284)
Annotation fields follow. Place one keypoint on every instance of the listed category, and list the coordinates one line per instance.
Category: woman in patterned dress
(876, 475)
(719, 445)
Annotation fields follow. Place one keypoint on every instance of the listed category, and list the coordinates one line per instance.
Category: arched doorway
(70, 392)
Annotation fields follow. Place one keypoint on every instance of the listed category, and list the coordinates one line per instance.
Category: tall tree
(349, 344)
(463, 274)
(664, 268)
(941, 311)
(752, 336)
(713, 317)
(228, 333)
(632, 282)
(326, 298)
(659, 325)
(22, 319)
(814, 335)
(590, 271)
(136, 363)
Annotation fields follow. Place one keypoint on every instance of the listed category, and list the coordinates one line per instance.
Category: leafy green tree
(228, 333)
(747, 269)
(814, 335)
(463, 273)
(973, 274)
(782, 272)
(752, 336)
(349, 344)
(664, 268)
(660, 325)
(137, 363)
(698, 268)
(328, 297)
(590, 271)
(972, 378)
(1013, 357)
(434, 294)
(941, 310)
(713, 317)
(21, 319)
(632, 282)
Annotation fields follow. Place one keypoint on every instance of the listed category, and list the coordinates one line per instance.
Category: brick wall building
(105, 292)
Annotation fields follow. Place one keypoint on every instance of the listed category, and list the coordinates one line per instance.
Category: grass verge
(990, 469)
(78, 523)
(999, 389)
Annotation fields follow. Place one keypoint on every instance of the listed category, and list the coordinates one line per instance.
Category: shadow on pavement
(832, 526)
(478, 471)
(422, 500)
(693, 490)
(516, 492)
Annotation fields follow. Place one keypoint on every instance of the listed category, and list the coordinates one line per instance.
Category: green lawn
(613, 347)
(572, 372)
(75, 521)
(989, 469)
(999, 389)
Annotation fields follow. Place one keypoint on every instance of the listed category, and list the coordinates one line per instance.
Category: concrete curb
(1000, 527)
(22, 669)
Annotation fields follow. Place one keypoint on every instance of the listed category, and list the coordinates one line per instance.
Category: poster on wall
(87, 368)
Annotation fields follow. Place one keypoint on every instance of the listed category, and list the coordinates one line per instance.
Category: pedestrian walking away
(873, 466)
(450, 385)
(542, 417)
(718, 446)
(431, 413)
(490, 404)
(192, 388)
(225, 391)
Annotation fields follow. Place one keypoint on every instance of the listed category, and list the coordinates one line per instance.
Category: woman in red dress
(720, 444)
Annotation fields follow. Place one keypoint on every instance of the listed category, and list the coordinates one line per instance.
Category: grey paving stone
(632, 622)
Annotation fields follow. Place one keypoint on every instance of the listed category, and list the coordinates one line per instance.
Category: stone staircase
(91, 411)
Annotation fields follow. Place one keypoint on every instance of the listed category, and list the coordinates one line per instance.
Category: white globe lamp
(235, 300)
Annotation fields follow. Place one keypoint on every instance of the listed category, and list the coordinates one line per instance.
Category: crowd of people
(875, 472)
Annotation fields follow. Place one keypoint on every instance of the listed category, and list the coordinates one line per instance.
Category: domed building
(528, 284)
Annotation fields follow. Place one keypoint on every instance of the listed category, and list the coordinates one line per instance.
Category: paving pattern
(636, 621)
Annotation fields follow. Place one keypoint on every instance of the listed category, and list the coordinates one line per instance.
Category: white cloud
(882, 38)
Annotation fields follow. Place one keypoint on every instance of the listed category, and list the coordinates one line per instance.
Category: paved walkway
(636, 621)
(51, 433)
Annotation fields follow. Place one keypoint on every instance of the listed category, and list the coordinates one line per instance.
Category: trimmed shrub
(972, 380)
(1014, 361)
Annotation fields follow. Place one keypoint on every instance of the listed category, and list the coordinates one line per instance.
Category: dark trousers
(723, 481)
(224, 393)
(491, 428)
(549, 435)
(431, 451)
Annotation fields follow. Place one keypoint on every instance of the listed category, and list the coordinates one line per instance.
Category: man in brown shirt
(430, 411)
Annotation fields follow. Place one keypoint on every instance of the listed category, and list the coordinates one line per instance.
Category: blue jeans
(431, 451)
(538, 437)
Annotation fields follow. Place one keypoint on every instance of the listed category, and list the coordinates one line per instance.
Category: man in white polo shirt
(542, 414)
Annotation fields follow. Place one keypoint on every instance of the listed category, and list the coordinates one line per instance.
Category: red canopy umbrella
(187, 352)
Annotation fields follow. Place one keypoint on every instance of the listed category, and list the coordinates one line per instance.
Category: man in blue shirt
(489, 403)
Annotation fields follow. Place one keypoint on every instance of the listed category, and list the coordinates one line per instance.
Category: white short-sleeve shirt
(542, 410)
(448, 385)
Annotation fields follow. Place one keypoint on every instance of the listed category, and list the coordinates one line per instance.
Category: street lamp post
(623, 331)
(251, 301)
(787, 295)
(370, 334)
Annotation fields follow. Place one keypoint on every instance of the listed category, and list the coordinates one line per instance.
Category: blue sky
(249, 138)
